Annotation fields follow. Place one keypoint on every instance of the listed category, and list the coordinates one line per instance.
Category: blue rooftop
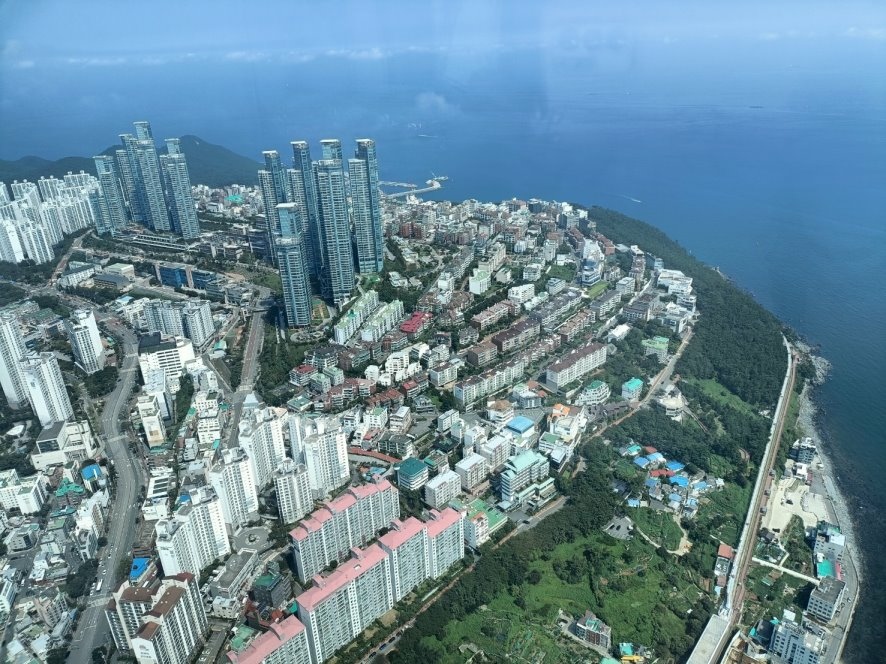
(656, 457)
(675, 466)
(633, 502)
(678, 480)
(675, 498)
(641, 461)
(652, 482)
(520, 424)
(139, 566)
(91, 472)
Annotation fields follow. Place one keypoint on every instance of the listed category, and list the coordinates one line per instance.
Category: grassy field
(635, 590)
(660, 526)
(719, 393)
(725, 511)
(597, 288)
(794, 542)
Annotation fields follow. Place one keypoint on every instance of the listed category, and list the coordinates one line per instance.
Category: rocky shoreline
(836, 500)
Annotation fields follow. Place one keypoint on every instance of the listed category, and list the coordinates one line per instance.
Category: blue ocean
(771, 167)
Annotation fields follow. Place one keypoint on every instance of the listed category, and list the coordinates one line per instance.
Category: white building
(322, 445)
(151, 419)
(163, 316)
(446, 535)
(444, 487)
(170, 355)
(479, 282)
(63, 442)
(27, 494)
(260, 434)
(293, 489)
(794, 643)
(521, 471)
(522, 293)
(173, 631)
(577, 364)
(196, 316)
(46, 388)
(472, 470)
(86, 342)
(826, 598)
(406, 544)
(12, 350)
(232, 479)
(194, 536)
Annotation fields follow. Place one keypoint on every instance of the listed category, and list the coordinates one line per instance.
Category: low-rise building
(825, 600)
(575, 365)
(593, 630)
(632, 389)
(412, 474)
(443, 488)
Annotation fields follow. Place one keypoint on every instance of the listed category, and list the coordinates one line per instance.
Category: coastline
(836, 502)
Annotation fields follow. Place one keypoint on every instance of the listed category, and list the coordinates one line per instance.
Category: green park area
(658, 526)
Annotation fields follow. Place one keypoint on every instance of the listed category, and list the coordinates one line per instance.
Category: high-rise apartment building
(335, 222)
(337, 608)
(304, 194)
(195, 535)
(46, 388)
(182, 211)
(197, 323)
(366, 207)
(12, 350)
(11, 249)
(86, 342)
(170, 354)
(406, 543)
(164, 316)
(260, 435)
(285, 642)
(350, 520)
(292, 260)
(293, 491)
(322, 445)
(275, 189)
(108, 203)
(174, 630)
(232, 479)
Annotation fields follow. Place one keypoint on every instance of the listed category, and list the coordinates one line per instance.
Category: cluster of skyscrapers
(322, 226)
(38, 215)
(137, 184)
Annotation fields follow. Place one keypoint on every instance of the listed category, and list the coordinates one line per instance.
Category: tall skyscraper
(10, 245)
(275, 190)
(108, 206)
(293, 264)
(86, 342)
(12, 350)
(331, 149)
(336, 227)
(196, 316)
(182, 212)
(322, 446)
(152, 183)
(366, 207)
(304, 193)
(46, 388)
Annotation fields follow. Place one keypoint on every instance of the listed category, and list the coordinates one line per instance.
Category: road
(93, 629)
(249, 372)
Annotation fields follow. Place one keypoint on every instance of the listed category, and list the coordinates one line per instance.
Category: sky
(66, 66)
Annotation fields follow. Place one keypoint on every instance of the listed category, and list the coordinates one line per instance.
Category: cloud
(769, 36)
(434, 102)
(97, 61)
(24, 64)
(374, 53)
(246, 56)
(865, 33)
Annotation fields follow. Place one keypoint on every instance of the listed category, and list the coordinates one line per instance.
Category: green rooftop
(411, 467)
(596, 384)
(242, 638)
(495, 517)
(265, 581)
(633, 384)
(656, 342)
(68, 487)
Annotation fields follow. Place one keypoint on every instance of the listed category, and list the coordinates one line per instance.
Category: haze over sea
(770, 164)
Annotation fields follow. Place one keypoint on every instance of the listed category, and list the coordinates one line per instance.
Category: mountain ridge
(208, 163)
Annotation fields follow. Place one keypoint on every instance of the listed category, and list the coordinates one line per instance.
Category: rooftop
(262, 646)
(520, 424)
(324, 588)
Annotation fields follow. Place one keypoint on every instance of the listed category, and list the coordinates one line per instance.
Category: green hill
(208, 164)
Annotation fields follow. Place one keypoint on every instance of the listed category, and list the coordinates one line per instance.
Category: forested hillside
(737, 341)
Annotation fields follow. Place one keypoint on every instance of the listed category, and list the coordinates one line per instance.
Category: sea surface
(770, 166)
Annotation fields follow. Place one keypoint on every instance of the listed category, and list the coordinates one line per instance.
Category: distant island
(209, 164)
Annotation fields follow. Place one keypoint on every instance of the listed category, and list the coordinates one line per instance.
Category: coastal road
(93, 629)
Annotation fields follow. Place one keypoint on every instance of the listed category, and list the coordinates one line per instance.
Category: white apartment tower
(46, 388)
(194, 536)
(293, 491)
(232, 479)
(260, 434)
(12, 350)
(196, 317)
(173, 631)
(86, 342)
(321, 444)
